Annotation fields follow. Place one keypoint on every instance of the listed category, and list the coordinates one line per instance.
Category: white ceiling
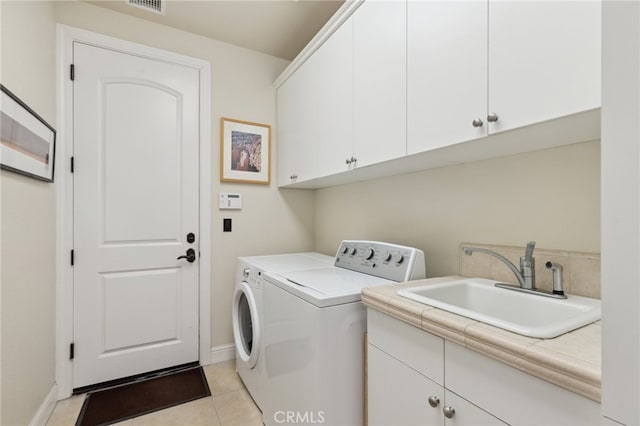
(276, 27)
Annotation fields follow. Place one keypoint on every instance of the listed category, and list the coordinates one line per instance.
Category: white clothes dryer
(315, 327)
(247, 311)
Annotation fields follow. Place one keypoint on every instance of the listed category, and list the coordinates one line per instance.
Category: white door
(136, 189)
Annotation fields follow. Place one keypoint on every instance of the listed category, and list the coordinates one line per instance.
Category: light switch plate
(230, 201)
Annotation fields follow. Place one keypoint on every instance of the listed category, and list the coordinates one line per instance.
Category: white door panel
(136, 190)
(447, 72)
(139, 114)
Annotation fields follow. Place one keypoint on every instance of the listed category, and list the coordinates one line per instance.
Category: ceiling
(280, 28)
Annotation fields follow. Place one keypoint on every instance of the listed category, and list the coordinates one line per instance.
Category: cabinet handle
(351, 160)
(293, 177)
(477, 122)
(448, 412)
(434, 401)
(492, 118)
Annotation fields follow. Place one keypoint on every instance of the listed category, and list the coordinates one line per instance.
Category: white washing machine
(315, 325)
(247, 310)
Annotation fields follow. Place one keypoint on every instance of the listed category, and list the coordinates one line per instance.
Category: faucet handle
(528, 254)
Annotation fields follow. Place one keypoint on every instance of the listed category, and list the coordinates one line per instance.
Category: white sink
(527, 314)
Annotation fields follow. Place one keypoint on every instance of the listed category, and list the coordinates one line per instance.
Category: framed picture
(27, 142)
(245, 151)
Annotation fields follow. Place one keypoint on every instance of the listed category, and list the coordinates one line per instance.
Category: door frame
(66, 37)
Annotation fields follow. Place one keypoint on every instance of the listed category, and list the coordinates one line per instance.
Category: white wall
(550, 196)
(28, 222)
(241, 82)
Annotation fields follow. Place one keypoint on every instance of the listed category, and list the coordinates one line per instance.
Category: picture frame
(27, 141)
(245, 151)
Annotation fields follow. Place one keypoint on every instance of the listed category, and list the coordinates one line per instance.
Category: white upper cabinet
(332, 65)
(478, 68)
(544, 60)
(380, 82)
(315, 112)
(409, 85)
(447, 73)
(295, 114)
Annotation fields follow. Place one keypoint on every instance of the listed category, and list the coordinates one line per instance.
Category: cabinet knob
(477, 122)
(448, 412)
(434, 401)
(492, 118)
(347, 161)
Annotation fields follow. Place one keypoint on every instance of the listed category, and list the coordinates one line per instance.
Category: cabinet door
(447, 72)
(398, 395)
(380, 63)
(331, 86)
(512, 395)
(294, 142)
(544, 60)
(466, 413)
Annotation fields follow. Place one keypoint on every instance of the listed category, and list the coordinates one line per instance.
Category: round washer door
(246, 327)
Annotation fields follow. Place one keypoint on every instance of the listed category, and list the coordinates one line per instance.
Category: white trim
(338, 18)
(66, 36)
(223, 353)
(46, 408)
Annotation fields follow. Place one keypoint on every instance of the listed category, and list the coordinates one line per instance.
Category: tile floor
(228, 405)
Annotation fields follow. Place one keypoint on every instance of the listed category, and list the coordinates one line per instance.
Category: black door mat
(142, 397)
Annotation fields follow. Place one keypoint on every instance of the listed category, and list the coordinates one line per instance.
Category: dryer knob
(399, 259)
(353, 251)
(387, 257)
(245, 272)
(370, 253)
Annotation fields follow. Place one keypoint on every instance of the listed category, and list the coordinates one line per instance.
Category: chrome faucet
(526, 276)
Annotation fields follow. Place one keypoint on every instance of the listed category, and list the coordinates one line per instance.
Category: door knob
(190, 256)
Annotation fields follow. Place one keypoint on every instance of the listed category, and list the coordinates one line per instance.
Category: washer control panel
(384, 260)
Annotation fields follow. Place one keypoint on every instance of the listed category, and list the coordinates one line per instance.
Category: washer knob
(345, 250)
(353, 251)
(370, 253)
(387, 257)
(399, 259)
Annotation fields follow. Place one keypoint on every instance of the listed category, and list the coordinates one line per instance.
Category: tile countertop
(571, 360)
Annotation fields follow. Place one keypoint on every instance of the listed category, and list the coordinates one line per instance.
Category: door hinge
(72, 72)
(72, 165)
(72, 257)
(72, 350)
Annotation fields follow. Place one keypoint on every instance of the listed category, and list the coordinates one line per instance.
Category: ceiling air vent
(156, 6)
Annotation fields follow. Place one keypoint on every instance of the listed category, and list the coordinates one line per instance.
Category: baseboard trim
(223, 353)
(46, 408)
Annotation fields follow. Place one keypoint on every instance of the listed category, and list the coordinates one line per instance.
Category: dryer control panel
(384, 260)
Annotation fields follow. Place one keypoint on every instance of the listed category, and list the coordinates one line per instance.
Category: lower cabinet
(416, 378)
(399, 395)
